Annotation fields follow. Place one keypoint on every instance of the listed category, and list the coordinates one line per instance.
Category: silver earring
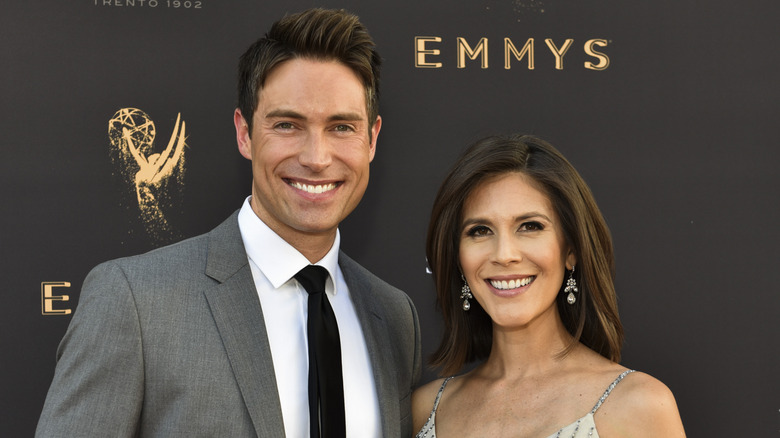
(465, 294)
(571, 288)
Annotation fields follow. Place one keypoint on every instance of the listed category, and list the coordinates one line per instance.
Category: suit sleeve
(412, 362)
(99, 379)
(417, 367)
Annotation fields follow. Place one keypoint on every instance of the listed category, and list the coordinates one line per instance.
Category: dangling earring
(465, 294)
(571, 288)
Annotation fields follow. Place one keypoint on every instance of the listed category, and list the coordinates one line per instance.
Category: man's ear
(374, 134)
(242, 135)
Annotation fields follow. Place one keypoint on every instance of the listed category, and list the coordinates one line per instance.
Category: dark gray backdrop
(676, 138)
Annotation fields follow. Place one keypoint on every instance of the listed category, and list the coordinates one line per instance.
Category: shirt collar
(278, 260)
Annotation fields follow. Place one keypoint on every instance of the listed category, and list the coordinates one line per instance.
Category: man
(208, 337)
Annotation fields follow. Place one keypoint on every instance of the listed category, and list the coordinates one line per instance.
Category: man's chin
(317, 229)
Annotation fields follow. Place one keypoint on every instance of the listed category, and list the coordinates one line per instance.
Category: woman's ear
(571, 260)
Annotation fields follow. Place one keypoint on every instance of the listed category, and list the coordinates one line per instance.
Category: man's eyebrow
(291, 114)
(285, 113)
(349, 117)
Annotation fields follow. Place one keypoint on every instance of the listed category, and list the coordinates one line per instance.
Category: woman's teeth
(511, 284)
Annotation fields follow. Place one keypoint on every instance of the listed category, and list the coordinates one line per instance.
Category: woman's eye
(531, 226)
(477, 231)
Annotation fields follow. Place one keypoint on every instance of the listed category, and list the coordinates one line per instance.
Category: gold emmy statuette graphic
(154, 174)
(48, 298)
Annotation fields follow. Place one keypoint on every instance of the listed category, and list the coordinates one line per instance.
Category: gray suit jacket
(173, 343)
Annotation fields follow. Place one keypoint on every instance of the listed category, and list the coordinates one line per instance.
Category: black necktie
(325, 380)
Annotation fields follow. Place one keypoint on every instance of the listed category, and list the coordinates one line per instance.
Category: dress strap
(609, 389)
(438, 396)
(429, 428)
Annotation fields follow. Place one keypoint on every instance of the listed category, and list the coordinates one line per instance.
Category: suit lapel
(239, 318)
(371, 316)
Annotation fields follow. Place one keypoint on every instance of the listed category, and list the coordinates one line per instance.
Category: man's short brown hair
(320, 34)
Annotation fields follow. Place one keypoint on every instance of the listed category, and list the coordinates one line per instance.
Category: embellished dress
(584, 427)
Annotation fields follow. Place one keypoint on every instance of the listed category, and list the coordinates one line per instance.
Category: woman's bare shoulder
(422, 402)
(640, 405)
(427, 392)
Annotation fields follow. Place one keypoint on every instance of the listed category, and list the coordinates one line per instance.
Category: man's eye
(284, 125)
(343, 128)
(477, 231)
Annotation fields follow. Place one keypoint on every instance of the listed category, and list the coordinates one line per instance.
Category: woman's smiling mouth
(512, 284)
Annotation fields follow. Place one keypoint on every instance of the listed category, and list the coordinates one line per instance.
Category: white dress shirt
(284, 301)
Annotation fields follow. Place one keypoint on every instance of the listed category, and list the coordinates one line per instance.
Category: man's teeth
(313, 189)
(511, 284)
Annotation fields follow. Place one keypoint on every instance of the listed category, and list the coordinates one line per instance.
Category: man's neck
(313, 245)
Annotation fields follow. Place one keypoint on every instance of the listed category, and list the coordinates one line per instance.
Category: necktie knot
(312, 278)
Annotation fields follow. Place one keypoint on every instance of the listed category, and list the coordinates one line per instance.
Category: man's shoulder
(191, 248)
(354, 272)
(190, 252)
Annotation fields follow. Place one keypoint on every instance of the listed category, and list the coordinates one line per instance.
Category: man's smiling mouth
(311, 188)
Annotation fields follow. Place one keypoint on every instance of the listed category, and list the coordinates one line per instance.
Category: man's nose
(316, 154)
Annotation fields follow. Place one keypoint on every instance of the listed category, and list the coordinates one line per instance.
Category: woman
(523, 265)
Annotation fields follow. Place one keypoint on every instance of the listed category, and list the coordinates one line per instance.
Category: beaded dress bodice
(583, 427)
